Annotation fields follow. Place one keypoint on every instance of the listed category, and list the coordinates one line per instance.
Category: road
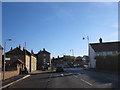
(71, 78)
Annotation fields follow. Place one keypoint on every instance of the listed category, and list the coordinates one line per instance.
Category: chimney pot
(100, 40)
(11, 48)
(43, 49)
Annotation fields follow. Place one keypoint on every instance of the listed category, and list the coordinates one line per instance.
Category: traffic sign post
(7, 59)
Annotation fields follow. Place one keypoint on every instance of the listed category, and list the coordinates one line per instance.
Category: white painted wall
(92, 54)
(33, 63)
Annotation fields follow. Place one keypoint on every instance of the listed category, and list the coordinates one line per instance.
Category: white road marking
(86, 82)
(14, 82)
(75, 76)
(62, 75)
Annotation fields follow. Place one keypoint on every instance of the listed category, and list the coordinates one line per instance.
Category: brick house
(43, 59)
(1, 57)
(23, 56)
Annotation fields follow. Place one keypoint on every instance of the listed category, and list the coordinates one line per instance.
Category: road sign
(7, 58)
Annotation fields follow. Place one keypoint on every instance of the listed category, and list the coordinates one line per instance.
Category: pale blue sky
(59, 27)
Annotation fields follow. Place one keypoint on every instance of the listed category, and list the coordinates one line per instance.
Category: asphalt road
(71, 78)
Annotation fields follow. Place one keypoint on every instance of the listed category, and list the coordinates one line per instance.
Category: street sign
(7, 58)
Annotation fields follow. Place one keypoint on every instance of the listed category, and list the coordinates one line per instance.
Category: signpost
(7, 59)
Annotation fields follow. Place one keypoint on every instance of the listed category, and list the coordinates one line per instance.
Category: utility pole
(25, 53)
(5, 57)
(72, 52)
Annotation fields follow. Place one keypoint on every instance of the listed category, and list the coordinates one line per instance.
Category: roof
(27, 52)
(35, 55)
(106, 46)
(17, 51)
(41, 52)
(60, 58)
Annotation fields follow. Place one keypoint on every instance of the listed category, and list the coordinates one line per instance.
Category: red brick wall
(9, 74)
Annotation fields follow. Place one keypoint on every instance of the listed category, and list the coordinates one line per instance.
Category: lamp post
(72, 52)
(88, 42)
(5, 57)
(88, 48)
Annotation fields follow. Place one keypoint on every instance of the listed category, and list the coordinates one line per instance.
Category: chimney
(43, 49)
(100, 40)
(53, 58)
(20, 47)
(58, 56)
(32, 52)
(11, 49)
(23, 48)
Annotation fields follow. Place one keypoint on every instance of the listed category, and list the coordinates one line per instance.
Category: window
(44, 60)
(44, 55)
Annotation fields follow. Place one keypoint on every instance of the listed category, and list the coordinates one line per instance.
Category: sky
(59, 26)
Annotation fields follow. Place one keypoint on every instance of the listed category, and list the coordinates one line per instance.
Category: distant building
(62, 61)
(56, 62)
(102, 49)
(43, 59)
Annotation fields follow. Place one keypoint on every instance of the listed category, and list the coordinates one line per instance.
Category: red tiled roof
(107, 46)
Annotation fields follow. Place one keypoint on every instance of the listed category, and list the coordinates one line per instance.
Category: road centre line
(86, 82)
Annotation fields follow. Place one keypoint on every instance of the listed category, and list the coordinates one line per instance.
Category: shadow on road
(103, 78)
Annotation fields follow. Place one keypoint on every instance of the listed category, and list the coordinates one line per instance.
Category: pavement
(12, 80)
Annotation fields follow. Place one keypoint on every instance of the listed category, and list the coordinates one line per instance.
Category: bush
(109, 63)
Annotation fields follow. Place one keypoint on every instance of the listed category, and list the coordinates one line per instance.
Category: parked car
(59, 69)
(44, 68)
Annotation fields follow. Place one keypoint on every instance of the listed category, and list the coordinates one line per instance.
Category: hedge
(108, 63)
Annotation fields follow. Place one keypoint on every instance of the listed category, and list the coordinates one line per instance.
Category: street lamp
(88, 48)
(72, 52)
(5, 57)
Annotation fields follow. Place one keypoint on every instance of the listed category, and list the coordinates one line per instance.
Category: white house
(102, 49)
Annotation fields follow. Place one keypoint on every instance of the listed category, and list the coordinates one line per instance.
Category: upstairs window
(44, 55)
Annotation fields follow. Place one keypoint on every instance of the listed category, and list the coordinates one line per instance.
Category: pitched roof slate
(106, 46)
